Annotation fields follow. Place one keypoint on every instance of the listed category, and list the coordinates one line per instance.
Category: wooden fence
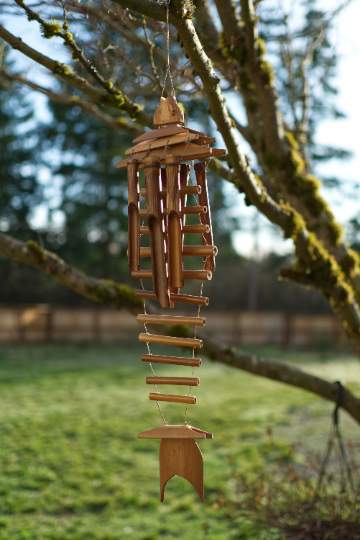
(44, 323)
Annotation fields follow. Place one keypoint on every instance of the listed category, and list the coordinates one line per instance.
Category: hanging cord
(193, 353)
(168, 69)
(201, 293)
(335, 434)
(164, 152)
(186, 147)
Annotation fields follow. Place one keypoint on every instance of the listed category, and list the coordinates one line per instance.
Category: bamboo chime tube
(171, 360)
(166, 221)
(205, 219)
(177, 381)
(171, 398)
(142, 274)
(176, 270)
(170, 340)
(184, 298)
(186, 190)
(169, 319)
(133, 215)
(202, 275)
(188, 251)
(186, 229)
(154, 218)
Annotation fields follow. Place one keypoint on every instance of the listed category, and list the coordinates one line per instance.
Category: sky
(342, 132)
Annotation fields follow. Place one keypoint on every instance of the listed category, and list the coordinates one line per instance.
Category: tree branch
(117, 101)
(119, 124)
(106, 292)
(282, 373)
(121, 296)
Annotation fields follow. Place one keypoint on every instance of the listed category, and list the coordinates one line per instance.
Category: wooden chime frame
(171, 145)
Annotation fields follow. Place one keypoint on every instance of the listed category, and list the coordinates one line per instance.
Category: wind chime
(166, 191)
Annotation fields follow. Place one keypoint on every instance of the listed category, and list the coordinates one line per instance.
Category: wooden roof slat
(161, 143)
(164, 132)
(175, 432)
(193, 151)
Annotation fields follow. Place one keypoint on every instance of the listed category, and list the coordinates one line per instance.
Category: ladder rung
(184, 298)
(186, 229)
(178, 381)
(171, 319)
(187, 210)
(188, 251)
(174, 360)
(204, 251)
(187, 190)
(194, 210)
(202, 275)
(189, 299)
(172, 398)
(170, 340)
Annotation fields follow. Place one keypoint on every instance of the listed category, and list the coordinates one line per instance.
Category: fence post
(49, 320)
(287, 330)
(20, 327)
(96, 325)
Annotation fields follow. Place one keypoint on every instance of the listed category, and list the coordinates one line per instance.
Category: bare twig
(151, 46)
(118, 101)
(119, 124)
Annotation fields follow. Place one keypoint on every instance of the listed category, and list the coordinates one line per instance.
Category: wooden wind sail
(162, 153)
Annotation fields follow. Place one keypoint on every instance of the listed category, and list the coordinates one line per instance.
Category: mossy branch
(105, 292)
(115, 99)
(53, 29)
(297, 276)
(280, 372)
(119, 124)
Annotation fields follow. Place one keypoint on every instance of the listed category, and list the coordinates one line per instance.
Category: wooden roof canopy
(183, 141)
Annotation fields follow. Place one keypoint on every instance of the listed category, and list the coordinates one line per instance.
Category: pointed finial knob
(168, 112)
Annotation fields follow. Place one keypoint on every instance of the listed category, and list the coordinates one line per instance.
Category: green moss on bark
(349, 262)
(266, 72)
(62, 69)
(323, 270)
(36, 250)
(124, 296)
(295, 222)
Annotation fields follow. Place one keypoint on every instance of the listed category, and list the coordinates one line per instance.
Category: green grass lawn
(71, 466)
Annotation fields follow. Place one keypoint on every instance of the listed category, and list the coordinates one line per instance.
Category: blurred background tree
(84, 214)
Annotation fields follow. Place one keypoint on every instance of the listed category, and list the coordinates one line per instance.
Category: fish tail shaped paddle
(181, 457)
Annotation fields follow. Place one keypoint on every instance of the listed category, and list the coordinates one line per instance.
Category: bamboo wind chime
(166, 191)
